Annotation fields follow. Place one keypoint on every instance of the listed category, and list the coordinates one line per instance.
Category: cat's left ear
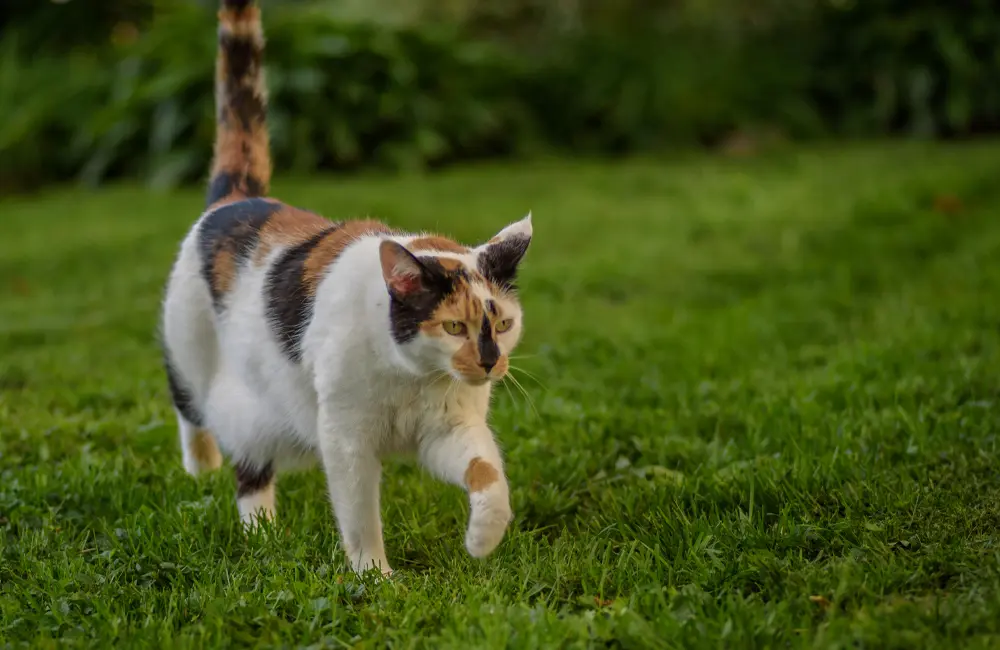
(499, 258)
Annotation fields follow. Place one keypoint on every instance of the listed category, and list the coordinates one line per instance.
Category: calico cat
(289, 337)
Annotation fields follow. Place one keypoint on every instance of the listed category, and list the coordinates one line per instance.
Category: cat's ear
(499, 258)
(404, 274)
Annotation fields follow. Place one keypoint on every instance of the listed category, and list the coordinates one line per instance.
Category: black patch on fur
(251, 479)
(244, 57)
(491, 307)
(236, 4)
(234, 228)
(180, 394)
(407, 313)
(499, 262)
(489, 352)
(225, 183)
(289, 305)
(248, 107)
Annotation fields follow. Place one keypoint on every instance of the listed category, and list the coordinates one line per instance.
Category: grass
(767, 416)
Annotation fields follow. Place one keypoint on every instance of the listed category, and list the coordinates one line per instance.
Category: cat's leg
(469, 457)
(353, 472)
(198, 448)
(190, 352)
(254, 492)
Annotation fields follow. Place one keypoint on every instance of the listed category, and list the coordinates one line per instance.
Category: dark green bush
(342, 95)
(135, 97)
(924, 67)
(606, 93)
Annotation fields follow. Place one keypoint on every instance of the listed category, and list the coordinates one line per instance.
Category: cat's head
(455, 309)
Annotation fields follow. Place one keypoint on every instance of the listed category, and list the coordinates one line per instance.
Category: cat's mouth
(479, 379)
(478, 374)
(474, 381)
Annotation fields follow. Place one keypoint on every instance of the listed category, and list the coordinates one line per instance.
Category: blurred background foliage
(91, 91)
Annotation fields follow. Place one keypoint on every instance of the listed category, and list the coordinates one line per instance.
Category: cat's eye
(505, 325)
(454, 327)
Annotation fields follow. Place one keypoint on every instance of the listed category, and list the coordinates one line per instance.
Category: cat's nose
(487, 365)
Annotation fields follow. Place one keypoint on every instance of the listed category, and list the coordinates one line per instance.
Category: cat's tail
(242, 163)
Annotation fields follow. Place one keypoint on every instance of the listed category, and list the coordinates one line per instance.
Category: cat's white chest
(415, 411)
(419, 411)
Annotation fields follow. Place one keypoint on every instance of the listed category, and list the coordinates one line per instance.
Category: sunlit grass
(757, 404)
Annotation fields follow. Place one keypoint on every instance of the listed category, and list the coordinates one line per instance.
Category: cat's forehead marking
(450, 263)
(482, 291)
(455, 265)
(435, 243)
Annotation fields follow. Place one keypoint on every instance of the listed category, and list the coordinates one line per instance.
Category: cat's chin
(473, 381)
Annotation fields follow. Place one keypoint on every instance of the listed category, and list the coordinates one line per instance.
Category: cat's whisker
(451, 387)
(519, 386)
(435, 375)
(509, 391)
(527, 397)
(533, 377)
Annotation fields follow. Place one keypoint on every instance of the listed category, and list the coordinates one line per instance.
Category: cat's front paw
(488, 519)
(384, 569)
(365, 562)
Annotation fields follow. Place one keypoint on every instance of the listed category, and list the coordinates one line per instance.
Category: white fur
(355, 397)
(257, 506)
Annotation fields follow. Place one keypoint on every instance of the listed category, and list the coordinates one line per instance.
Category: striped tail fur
(241, 166)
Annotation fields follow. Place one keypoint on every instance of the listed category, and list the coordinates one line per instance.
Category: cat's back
(241, 297)
(239, 237)
(264, 244)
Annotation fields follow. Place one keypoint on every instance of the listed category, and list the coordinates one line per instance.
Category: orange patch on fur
(503, 365)
(332, 245)
(241, 152)
(286, 227)
(436, 243)
(205, 450)
(223, 271)
(480, 475)
(466, 361)
(449, 264)
(462, 305)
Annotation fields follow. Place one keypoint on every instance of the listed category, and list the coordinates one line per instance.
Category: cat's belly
(293, 459)
(272, 421)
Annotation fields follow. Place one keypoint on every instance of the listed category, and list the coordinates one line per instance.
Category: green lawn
(766, 414)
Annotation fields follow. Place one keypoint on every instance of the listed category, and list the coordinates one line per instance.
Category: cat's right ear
(404, 274)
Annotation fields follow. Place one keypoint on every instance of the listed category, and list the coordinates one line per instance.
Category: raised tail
(241, 166)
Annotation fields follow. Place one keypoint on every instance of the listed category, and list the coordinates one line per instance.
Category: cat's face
(455, 310)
